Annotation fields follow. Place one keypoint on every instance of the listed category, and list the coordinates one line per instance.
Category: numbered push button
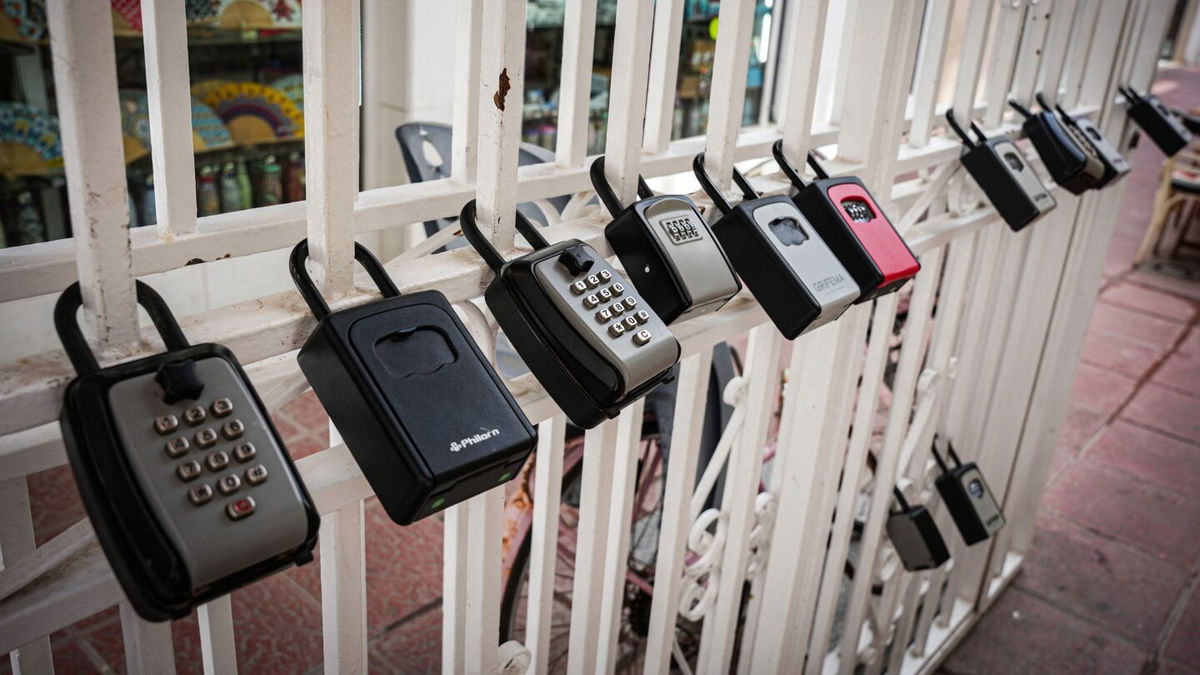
(217, 461)
(229, 484)
(201, 494)
(244, 452)
(188, 470)
(177, 447)
(641, 337)
(240, 509)
(195, 415)
(233, 429)
(617, 329)
(256, 474)
(642, 316)
(166, 424)
(631, 322)
(222, 407)
(206, 438)
(604, 316)
(591, 301)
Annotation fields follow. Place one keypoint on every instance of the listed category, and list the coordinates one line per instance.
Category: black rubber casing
(917, 539)
(151, 572)
(1160, 124)
(408, 389)
(960, 504)
(1065, 161)
(985, 165)
(587, 387)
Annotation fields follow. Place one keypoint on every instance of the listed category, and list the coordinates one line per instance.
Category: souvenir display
(255, 113)
(29, 141)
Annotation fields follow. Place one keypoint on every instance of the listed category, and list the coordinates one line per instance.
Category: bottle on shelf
(208, 202)
(244, 186)
(230, 190)
(29, 227)
(293, 178)
(270, 183)
(146, 212)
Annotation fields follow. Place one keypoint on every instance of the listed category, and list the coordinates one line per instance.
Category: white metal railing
(991, 367)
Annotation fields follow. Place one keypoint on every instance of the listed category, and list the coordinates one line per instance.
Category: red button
(241, 508)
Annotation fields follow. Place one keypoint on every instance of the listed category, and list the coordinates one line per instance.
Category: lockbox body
(672, 258)
(789, 268)
(917, 539)
(971, 502)
(1160, 124)
(171, 549)
(846, 216)
(569, 337)
(1115, 164)
(424, 414)
(1001, 171)
(1069, 164)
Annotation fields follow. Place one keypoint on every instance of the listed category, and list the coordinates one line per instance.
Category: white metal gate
(991, 368)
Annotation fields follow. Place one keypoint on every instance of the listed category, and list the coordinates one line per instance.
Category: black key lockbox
(916, 536)
(419, 406)
(849, 219)
(667, 250)
(1070, 161)
(591, 340)
(1115, 165)
(789, 268)
(1004, 175)
(188, 486)
(1160, 124)
(971, 503)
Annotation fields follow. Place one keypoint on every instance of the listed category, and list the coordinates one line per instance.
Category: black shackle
(481, 244)
(718, 199)
(67, 325)
(950, 451)
(308, 290)
(966, 138)
(605, 191)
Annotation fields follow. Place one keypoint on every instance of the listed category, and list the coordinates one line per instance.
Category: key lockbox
(971, 503)
(424, 414)
(1160, 124)
(791, 271)
(1004, 175)
(185, 479)
(1115, 165)
(858, 232)
(916, 536)
(667, 250)
(1069, 159)
(586, 334)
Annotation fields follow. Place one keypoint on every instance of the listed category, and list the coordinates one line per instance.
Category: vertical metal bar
(728, 94)
(801, 70)
(89, 114)
(627, 97)
(331, 78)
(970, 58)
(17, 540)
(664, 74)
(741, 489)
(454, 590)
(928, 79)
(218, 651)
(1031, 52)
(543, 552)
(485, 532)
(344, 589)
(1002, 60)
(1078, 47)
(686, 432)
(164, 39)
(464, 153)
(501, 102)
(575, 90)
(148, 646)
(1063, 16)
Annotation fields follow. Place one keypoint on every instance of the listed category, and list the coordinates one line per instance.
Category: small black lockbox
(417, 403)
(916, 536)
(188, 486)
(968, 498)
(586, 335)
(667, 250)
(1069, 160)
(1086, 133)
(1160, 124)
(789, 268)
(1004, 175)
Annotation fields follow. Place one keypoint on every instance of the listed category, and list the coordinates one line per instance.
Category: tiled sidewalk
(1110, 585)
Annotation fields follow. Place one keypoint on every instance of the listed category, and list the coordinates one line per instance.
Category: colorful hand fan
(255, 113)
(135, 124)
(23, 20)
(29, 140)
(268, 14)
(293, 86)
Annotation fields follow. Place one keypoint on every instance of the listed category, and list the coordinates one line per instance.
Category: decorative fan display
(293, 86)
(255, 113)
(135, 124)
(208, 131)
(268, 14)
(127, 14)
(23, 20)
(29, 141)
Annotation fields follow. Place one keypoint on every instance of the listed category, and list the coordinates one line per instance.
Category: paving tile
(415, 646)
(277, 629)
(404, 568)
(305, 446)
(69, 656)
(1172, 667)
(1063, 453)
(1113, 353)
(1158, 522)
(1134, 326)
(1180, 371)
(1079, 425)
(1191, 343)
(107, 640)
(1021, 634)
(1149, 456)
(54, 502)
(1184, 644)
(1165, 282)
(1105, 582)
(1100, 390)
(1149, 301)
(1168, 410)
(307, 412)
(288, 429)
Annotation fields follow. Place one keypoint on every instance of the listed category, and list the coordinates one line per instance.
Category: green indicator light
(437, 503)
(504, 476)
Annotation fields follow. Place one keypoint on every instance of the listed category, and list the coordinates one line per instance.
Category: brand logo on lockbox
(457, 446)
(829, 282)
